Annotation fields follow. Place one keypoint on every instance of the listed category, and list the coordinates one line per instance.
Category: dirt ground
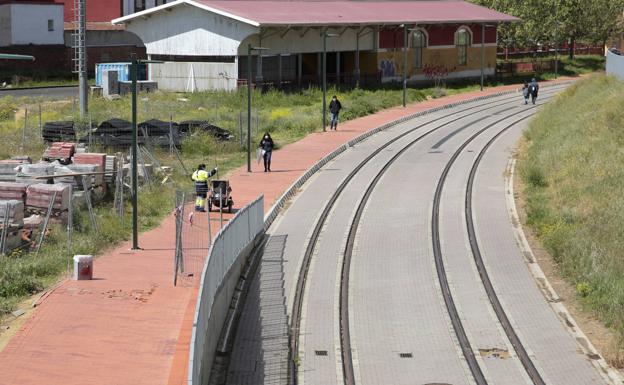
(602, 337)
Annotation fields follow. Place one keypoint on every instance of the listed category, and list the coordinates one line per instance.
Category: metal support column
(337, 67)
(299, 69)
(249, 107)
(279, 71)
(324, 75)
(357, 59)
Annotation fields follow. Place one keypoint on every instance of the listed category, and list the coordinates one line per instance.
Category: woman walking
(266, 146)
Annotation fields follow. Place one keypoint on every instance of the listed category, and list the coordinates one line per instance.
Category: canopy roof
(267, 13)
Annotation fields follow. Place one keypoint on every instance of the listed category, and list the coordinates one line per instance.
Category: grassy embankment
(572, 168)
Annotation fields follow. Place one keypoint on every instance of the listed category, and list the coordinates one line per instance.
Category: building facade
(204, 43)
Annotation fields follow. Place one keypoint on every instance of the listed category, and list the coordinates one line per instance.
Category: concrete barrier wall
(615, 65)
(226, 257)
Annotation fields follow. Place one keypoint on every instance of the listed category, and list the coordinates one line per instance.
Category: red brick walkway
(130, 325)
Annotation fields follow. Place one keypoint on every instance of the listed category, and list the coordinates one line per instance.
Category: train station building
(205, 43)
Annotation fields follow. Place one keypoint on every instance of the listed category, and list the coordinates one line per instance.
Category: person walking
(334, 110)
(533, 90)
(525, 93)
(200, 177)
(266, 147)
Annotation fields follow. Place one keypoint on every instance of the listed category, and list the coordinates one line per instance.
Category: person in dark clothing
(533, 90)
(267, 145)
(334, 110)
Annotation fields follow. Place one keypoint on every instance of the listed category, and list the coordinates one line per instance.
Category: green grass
(572, 169)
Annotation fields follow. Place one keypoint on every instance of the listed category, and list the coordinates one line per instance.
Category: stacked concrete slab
(7, 169)
(15, 222)
(88, 159)
(26, 172)
(38, 196)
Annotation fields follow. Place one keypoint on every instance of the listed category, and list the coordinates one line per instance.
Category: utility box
(83, 267)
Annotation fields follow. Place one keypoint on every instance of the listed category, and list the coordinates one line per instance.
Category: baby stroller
(220, 195)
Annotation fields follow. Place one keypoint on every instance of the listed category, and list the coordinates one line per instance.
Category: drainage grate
(406, 355)
(321, 352)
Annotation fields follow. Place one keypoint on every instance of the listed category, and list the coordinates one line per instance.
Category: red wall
(438, 35)
(97, 10)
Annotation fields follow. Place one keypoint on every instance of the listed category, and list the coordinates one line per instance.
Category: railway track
(345, 340)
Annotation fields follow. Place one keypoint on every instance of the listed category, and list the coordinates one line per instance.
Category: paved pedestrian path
(130, 325)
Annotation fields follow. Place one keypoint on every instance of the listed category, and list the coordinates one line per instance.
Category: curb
(611, 375)
(292, 190)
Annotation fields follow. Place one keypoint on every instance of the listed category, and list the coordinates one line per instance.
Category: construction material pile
(188, 126)
(58, 131)
(61, 151)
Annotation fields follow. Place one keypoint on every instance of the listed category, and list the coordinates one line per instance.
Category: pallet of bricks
(61, 151)
(39, 196)
(85, 162)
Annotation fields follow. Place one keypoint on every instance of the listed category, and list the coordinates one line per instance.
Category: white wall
(187, 30)
(29, 23)
(174, 76)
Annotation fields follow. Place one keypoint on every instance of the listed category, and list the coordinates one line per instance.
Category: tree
(550, 21)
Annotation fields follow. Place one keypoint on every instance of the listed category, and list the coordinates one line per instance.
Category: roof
(340, 12)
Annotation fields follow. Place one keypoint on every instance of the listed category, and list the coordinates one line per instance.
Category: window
(462, 41)
(50, 25)
(418, 43)
(160, 2)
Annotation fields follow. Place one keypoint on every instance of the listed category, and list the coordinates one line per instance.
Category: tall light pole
(249, 50)
(404, 65)
(134, 70)
(556, 39)
(324, 70)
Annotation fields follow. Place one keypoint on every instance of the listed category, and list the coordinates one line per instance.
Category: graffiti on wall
(387, 68)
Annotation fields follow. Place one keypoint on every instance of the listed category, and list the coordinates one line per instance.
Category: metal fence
(615, 65)
(236, 236)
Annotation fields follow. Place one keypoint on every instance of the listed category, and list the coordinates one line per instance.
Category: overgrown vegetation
(572, 169)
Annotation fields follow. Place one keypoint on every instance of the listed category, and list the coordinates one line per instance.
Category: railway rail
(345, 343)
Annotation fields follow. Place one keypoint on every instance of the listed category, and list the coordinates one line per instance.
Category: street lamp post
(249, 50)
(404, 65)
(556, 39)
(134, 70)
(324, 65)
